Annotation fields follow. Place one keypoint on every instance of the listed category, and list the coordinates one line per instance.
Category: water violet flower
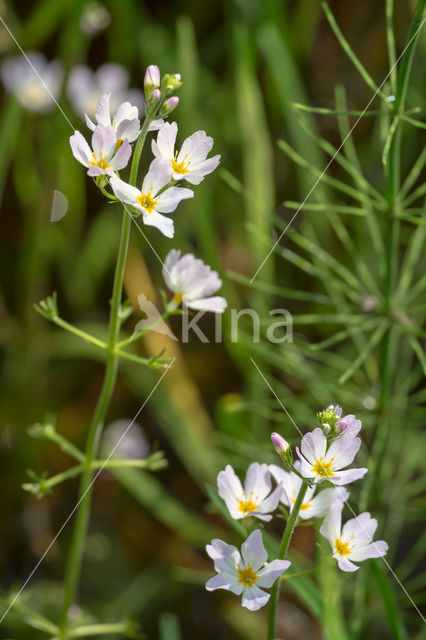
(255, 499)
(353, 542)
(105, 156)
(244, 573)
(33, 81)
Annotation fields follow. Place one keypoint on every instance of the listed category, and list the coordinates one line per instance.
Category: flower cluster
(114, 129)
(323, 456)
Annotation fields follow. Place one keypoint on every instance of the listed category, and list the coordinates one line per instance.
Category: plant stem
(75, 555)
(285, 543)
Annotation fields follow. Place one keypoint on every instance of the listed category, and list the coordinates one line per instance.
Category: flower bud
(156, 95)
(168, 106)
(280, 445)
(152, 78)
(342, 424)
(326, 428)
(171, 82)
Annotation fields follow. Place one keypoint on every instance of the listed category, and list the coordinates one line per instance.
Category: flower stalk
(78, 540)
(285, 543)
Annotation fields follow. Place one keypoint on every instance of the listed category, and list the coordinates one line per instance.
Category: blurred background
(346, 271)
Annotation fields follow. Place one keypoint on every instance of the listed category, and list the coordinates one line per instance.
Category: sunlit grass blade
(413, 253)
(342, 335)
(279, 290)
(355, 211)
(350, 53)
(365, 353)
(317, 173)
(336, 112)
(413, 174)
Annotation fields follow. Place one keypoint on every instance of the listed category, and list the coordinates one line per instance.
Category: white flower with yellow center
(33, 81)
(125, 122)
(192, 282)
(322, 462)
(191, 162)
(105, 156)
(255, 499)
(313, 505)
(353, 542)
(244, 573)
(152, 199)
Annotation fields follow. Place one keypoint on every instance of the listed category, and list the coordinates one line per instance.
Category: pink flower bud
(279, 443)
(152, 78)
(168, 106)
(156, 95)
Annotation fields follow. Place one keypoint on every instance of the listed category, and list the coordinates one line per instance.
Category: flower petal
(258, 482)
(80, 149)
(224, 581)
(253, 552)
(164, 224)
(215, 304)
(271, 502)
(122, 157)
(225, 556)
(103, 141)
(254, 598)
(332, 525)
(102, 114)
(376, 549)
(123, 191)
(164, 146)
(345, 564)
(313, 445)
(170, 198)
(197, 173)
(159, 174)
(271, 572)
(343, 450)
(196, 148)
(348, 475)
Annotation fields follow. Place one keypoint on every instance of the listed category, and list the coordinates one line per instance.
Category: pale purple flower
(322, 463)
(148, 200)
(33, 81)
(244, 573)
(125, 122)
(313, 505)
(353, 542)
(105, 156)
(192, 282)
(191, 162)
(85, 87)
(255, 499)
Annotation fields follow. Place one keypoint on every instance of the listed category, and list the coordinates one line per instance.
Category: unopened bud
(280, 445)
(168, 106)
(152, 79)
(156, 95)
(342, 424)
(326, 428)
(172, 81)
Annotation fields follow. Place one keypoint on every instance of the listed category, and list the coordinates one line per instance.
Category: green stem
(78, 332)
(285, 543)
(78, 540)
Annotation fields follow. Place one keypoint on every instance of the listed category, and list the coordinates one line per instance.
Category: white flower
(355, 541)
(33, 82)
(255, 499)
(104, 158)
(191, 162)
(312, 506)
(192, 282)
(125, 122)
(85, 87)
(244, 573)
(149, 201)
(322, 463)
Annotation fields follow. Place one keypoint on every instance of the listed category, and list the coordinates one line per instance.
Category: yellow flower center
(247, 506)
(118, 143)
(180, 167)
(102, 163)
(247, 577)
(147, 202)
(177, 298)
(305, 505)
(323, 469)
(342, 548)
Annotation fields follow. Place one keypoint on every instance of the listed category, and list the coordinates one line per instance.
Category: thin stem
(285, 543)
(78, 332)
(75, 555)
